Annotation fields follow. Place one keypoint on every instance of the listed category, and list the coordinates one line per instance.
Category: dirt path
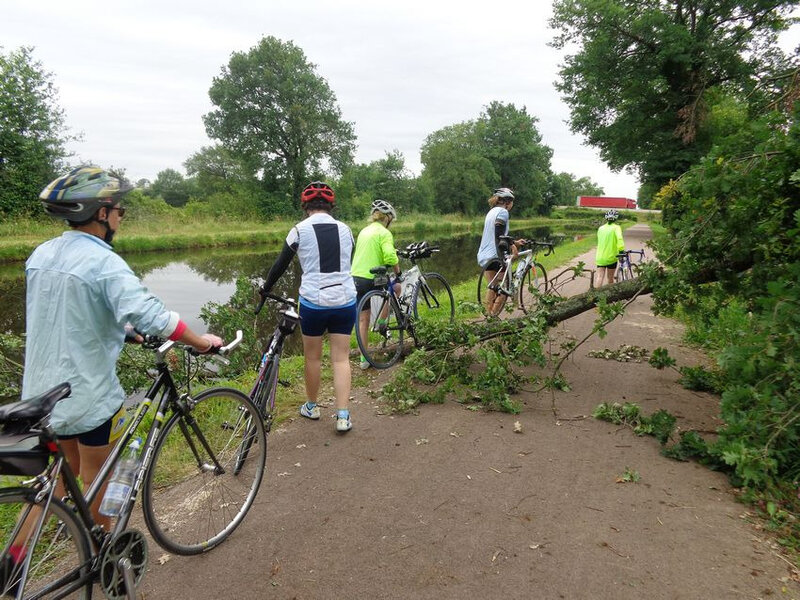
(451, 503)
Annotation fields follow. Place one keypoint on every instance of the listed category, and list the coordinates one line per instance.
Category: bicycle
(192, 497)
(423, 296)
(265, 387)
(626, 269)
(527, 284)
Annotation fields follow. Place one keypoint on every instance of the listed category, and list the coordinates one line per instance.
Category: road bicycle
(192, 496)
(625, 268)
(422, 297)
(521, 280)
(265, 387)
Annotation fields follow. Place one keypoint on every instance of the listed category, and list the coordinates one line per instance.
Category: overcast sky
(133, 76)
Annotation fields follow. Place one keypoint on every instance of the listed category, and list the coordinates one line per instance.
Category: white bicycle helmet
(612, 215)
(504, 192)
(384, 207)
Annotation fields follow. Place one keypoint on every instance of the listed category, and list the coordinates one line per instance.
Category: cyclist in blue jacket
(82, 299)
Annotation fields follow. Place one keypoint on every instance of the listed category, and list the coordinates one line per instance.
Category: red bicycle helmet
(318, 189)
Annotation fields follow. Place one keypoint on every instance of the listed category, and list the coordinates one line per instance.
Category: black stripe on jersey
(328, 243)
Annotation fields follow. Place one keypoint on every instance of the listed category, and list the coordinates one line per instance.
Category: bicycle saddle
(31, 411)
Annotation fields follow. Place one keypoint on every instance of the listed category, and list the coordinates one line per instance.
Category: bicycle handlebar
(525, 242)
(162, 346)
(264, 295)
(417, 250)
(627, 253)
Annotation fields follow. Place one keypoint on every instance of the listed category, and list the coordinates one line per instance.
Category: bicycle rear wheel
(534, 286)
(60, 559)
(433, 299)
(383, 345)
(193, 496)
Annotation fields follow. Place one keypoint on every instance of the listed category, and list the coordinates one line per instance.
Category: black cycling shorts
(104, 434)
(363, 285)
(611, 266)
(494, 265)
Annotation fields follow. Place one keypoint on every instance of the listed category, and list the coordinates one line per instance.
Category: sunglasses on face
(121, 210)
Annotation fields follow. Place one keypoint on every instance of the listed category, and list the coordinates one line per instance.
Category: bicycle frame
(508, 284)
(625, 266)
(271, 358)
(45, 484)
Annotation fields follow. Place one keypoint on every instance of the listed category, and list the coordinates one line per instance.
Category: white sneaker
(364, 364)
(343, 425)
(312, 413)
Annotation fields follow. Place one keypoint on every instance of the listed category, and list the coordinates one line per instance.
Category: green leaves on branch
(277, 115)
(33, 135)
(469, 362)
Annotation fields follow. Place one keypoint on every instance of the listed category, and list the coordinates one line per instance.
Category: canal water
(188, 280)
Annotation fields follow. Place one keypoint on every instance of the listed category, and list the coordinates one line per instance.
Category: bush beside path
(454, 503)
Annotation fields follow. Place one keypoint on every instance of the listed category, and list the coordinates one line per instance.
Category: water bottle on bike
(121, 483)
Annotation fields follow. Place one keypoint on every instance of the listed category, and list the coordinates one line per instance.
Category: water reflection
(187, 280)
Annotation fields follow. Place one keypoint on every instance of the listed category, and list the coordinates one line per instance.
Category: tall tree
(172, 187)
(510, 140)
(466, 161)
(273, 107)
(638, 82)
(32, 132)
(461, 176)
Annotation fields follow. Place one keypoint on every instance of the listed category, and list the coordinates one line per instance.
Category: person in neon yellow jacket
(609, 244)
(374, 247)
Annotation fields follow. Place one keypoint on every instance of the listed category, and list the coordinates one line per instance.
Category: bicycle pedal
(284, 382)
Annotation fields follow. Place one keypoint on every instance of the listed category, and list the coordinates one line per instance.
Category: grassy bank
(19, 237)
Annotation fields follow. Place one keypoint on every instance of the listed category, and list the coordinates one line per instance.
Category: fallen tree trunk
(560, 311)
(575, 305)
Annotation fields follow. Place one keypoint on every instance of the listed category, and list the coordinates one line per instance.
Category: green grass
(18, 237)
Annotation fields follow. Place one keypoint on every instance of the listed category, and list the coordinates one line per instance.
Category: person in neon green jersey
(374, 247)
(609, 244)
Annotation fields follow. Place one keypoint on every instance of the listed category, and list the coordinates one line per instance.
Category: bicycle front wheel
(433, 299)
(194, 496)
(60, 559)
(382, 345)
(624, 272)
(534, 286)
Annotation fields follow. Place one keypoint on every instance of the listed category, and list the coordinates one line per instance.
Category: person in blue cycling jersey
(493, 249)
(327, 295)
(82, 299)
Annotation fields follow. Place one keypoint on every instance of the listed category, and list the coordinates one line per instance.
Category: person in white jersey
(327, 295)
(492, 250)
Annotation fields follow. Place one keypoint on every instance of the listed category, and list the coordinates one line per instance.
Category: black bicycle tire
(625, 272)
(526, 281)
(165, 537)
(261, 402)
(363, 345)
(77, 531)
(440, 278)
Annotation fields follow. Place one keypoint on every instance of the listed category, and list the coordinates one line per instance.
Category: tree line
(276, 125)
